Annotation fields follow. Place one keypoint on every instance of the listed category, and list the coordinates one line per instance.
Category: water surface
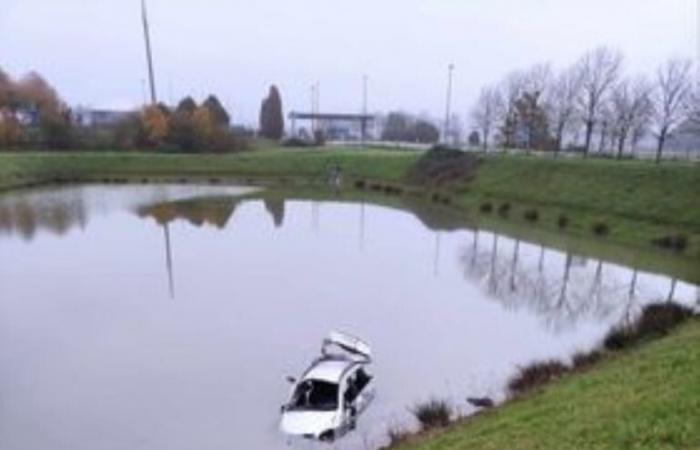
(167, 317)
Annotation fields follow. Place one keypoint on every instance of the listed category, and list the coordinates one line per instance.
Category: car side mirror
(291, 380)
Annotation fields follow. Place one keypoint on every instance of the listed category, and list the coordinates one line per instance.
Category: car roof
(330, 369)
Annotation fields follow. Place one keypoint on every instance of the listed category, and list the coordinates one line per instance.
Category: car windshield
(315, 395)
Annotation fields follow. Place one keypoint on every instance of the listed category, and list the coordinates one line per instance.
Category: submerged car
(328, 398)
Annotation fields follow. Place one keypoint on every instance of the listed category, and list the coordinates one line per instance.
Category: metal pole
(448, 107)
(313, 108)
(149, 55)
(364, 109)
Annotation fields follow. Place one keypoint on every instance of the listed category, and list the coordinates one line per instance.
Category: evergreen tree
(218, 113)
(271, 118)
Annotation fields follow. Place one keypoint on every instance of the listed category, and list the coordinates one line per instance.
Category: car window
(315, 395)
(355, 384)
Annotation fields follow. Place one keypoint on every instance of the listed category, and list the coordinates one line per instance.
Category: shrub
(296, 142)
(536, 374)
(563, 222)
(444, 165)
(532, 215)
(433, 413)
(486, 208)
(361, 185)
(657, 320)
(583, 360)
(601, 229)
(504, 209)
(675, 242)
(397, 436)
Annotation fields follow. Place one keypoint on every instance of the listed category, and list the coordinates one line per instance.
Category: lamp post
(149, 54)
(446, 132)
(363, 122)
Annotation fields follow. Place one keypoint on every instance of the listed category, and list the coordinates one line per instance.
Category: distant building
(86, 117)
(685, 140)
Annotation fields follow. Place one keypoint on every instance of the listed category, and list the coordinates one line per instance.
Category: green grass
(312, 165)
(647, 398)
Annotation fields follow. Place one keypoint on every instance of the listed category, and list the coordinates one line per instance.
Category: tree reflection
(560, 288)
(27, 214)
(276, 208)
(216, 212)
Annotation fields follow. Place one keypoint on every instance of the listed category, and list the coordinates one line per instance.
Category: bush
(504, 209)
(361, 185)
(532, 215)
(486, 208)
(433, 413)
(601, 229)
(536, 374)
(563, 222)
(657, 320)
(583, 360)
(444, 165)
(675, 242)
(397, 436)
(295, 142)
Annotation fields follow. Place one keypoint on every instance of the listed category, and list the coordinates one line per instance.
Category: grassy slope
(648, 398)
(390, 165)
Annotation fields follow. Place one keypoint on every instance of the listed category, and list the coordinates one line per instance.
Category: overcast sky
(92, 50)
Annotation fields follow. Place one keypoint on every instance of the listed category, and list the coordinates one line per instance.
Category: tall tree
(631, 108)
(218, 113)
(673, 92)
(511, 89)
(186, 106)
(599, 70)
(271, 117)
(562, 103)
(486, 112)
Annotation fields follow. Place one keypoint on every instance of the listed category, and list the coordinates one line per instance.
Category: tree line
(591, 105)
(32, 115)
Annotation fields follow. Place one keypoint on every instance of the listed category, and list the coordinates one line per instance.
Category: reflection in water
(169, 261)
(276, 208)
(27, 214)
(562, 301)
(213, 211)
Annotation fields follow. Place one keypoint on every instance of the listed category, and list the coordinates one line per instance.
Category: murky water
(165, 317)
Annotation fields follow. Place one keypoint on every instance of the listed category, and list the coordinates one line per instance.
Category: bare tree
(599, 70)
(673, 92)
(562, 103)
(511, 88)
(631, 107)
(532, 107)
(486, 113)
(694, 106)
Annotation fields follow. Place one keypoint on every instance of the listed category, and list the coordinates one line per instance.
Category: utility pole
(149, 55)
(365, 80)
(450, 70)
(313, 108)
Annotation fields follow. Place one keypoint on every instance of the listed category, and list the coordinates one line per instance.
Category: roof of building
(330, 116)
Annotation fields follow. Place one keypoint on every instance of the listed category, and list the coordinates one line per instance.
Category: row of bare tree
(540, 108)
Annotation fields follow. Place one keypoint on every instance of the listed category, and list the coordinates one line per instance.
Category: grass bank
(637, 202)
(644, 398)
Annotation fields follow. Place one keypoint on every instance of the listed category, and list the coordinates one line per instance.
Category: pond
(168, 317)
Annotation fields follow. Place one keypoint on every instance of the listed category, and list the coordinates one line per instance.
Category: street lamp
(446, 132)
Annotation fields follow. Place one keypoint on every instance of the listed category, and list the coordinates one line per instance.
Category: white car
(337, 387)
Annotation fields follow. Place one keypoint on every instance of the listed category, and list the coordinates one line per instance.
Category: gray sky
(92, 50)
